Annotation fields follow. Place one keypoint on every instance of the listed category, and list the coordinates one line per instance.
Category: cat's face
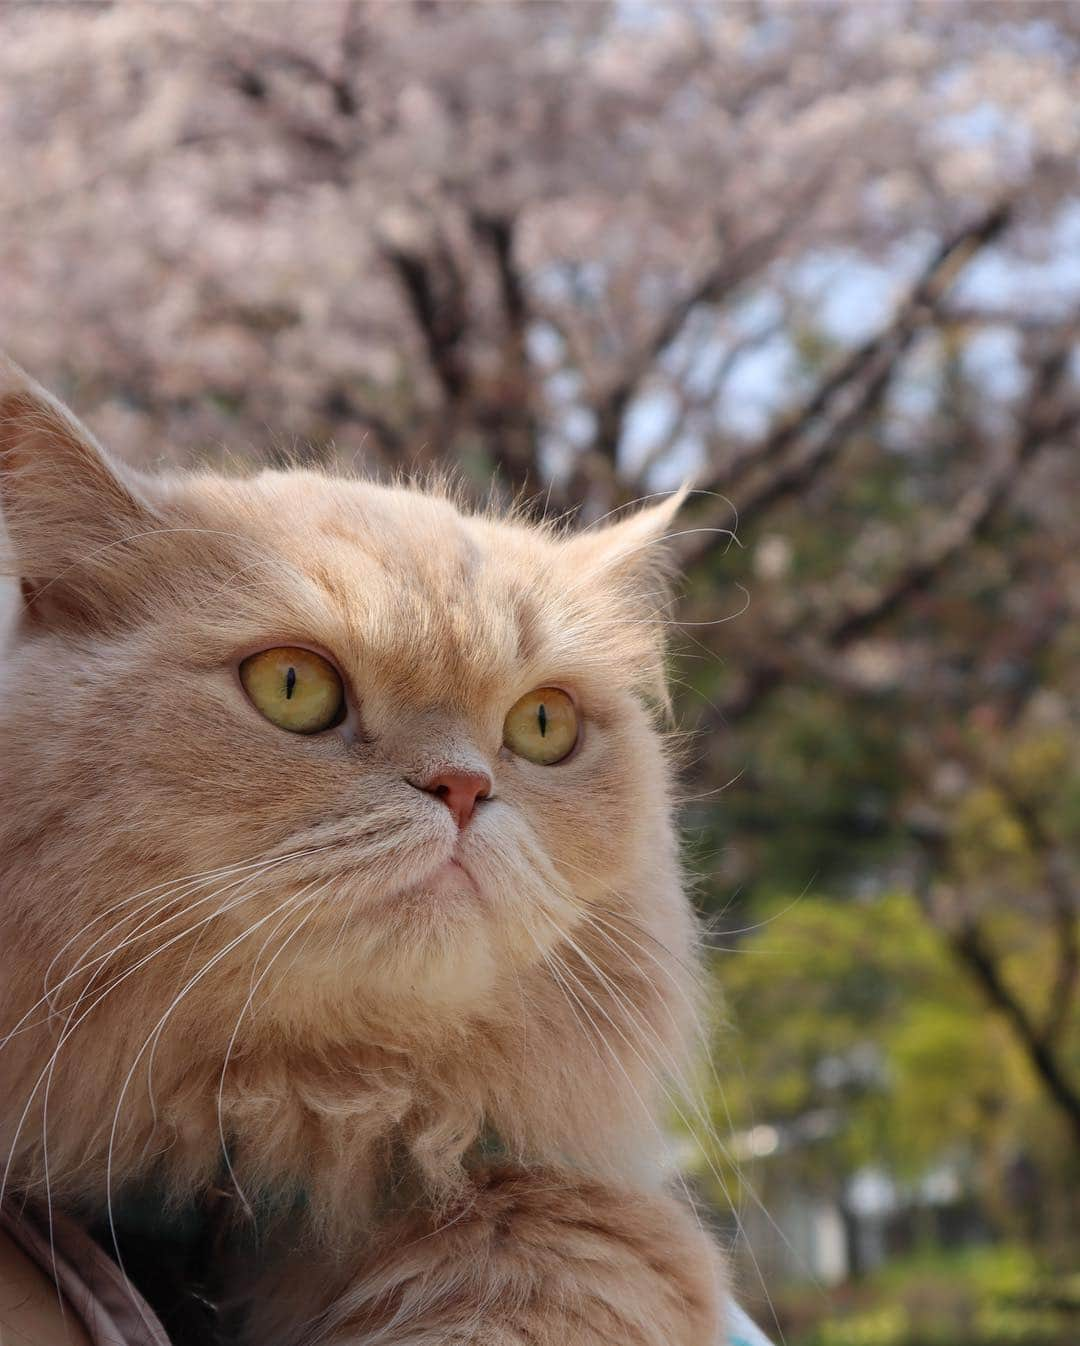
(433, 828)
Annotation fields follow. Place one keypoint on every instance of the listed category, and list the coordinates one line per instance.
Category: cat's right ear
(68, 511)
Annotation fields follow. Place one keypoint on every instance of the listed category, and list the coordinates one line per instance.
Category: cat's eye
(542, 727)
(296, 689)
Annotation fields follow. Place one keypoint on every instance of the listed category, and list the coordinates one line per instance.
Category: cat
(340, 895)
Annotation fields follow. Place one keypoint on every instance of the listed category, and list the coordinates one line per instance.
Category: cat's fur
(215, 931)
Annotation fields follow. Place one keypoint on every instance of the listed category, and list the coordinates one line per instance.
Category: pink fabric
(94, 1287)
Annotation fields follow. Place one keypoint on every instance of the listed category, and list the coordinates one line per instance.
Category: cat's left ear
(68, 510)
(632, 553)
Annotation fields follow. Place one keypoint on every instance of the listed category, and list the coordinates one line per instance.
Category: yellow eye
(542, 726)
(294, 688)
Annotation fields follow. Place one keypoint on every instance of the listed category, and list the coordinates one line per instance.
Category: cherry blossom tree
(823, 260)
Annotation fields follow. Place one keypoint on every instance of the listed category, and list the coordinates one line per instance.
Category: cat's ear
(632, 554)
(67, 509)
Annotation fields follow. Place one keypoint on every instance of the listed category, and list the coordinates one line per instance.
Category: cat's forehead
(379, 543)
(438, 604)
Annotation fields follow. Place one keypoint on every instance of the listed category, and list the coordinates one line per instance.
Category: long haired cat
(339, 897)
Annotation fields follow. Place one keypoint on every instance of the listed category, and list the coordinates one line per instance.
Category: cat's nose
(459, 790)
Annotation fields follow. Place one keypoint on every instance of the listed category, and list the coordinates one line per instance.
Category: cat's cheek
(583, 811)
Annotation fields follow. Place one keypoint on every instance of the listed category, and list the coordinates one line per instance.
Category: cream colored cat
(339, 895)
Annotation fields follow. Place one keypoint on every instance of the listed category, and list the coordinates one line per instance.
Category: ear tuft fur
(631, 559)
(631, 553)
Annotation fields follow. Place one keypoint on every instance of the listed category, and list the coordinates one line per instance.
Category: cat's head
(351, 727)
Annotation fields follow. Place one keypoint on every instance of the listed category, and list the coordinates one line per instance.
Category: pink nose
(459, 791)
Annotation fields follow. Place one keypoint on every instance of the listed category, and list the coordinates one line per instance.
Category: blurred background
(823, 259)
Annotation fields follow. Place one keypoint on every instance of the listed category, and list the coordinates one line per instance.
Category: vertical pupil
(541, 715)
(290, 683)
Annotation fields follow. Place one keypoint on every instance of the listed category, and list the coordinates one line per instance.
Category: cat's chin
(430, 937)
(422, 951)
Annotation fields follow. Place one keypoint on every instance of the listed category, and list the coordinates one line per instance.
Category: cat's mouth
(444, 879)
(450, 879)
(454, 875)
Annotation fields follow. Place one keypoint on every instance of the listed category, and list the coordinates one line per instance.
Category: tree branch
(1064, 911)
(975, 516)
(971, 949)
(507, 413)
(714, 283)
(975, 513)
(434, 292)
(855, 383)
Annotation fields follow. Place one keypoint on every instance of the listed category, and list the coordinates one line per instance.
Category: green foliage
(816, 801)
(854, 1012)
(1002, 1296)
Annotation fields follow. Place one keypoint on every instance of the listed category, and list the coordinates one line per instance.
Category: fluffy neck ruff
(324, 1098)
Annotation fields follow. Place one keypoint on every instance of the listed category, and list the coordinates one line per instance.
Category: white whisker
(207, 967)
(674, 1105)
(70, 1026)
(299, 901)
